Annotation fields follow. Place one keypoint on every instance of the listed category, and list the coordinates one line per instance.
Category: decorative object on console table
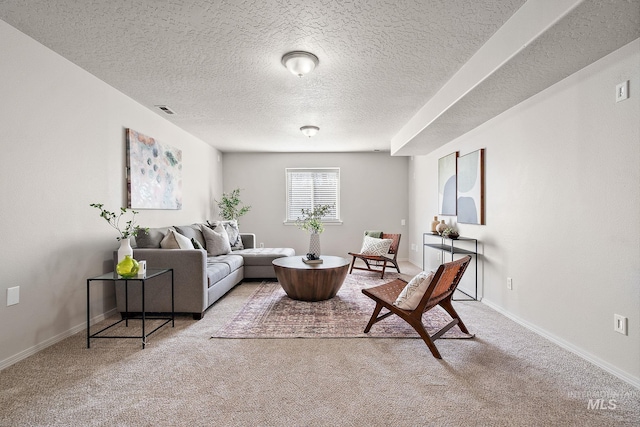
(130, 229)
(441, 227)
(451, 233)
(154, 173)
(311, 221)
(471, 188)
(447, 175)
(434, 224)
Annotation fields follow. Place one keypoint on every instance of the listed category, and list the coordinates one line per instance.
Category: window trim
(331, 222)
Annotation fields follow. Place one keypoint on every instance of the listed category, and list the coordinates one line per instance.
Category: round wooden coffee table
(311, 282)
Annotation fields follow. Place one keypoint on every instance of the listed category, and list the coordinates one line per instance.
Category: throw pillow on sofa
(193, 231)
(217, 241)
(175, 240)
(233, 231)
(150, 238)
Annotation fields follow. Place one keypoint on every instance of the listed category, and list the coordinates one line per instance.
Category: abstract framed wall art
(471, 188)
(154, 173)
(447, 171)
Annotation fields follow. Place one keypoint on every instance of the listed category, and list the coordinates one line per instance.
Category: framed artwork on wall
(154, 173)
(471, 188)
(447, 171)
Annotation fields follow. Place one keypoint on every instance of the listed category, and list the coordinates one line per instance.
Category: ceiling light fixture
(299, 62)
(309, 131)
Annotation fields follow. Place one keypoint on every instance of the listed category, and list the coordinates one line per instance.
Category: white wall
(63, 147)
(373, 196)
(562, 209)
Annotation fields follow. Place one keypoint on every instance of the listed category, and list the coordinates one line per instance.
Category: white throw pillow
(411, 295)
(217, 241)
(373, 246)
(175, 240)
(233, 231)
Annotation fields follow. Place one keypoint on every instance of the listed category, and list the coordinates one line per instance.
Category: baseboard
(53, 340)
(634, 381)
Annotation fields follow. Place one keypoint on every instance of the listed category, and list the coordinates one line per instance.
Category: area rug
(270, 313)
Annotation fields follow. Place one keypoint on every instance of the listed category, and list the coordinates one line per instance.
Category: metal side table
(114, 277)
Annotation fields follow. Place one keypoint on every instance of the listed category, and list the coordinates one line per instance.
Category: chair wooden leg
(446, 304)
(419, 328)
(374, 317)
(384, 267)
(352, 263)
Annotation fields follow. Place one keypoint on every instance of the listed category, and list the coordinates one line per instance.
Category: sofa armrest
(189, 276)
(248, 240)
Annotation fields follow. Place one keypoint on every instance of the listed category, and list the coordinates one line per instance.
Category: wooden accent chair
(439, 292)
(379, 262)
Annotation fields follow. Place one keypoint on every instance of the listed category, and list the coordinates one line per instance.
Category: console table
(114, 277)
(445, 244)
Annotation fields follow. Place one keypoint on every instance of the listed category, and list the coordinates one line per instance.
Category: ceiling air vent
(166, 109)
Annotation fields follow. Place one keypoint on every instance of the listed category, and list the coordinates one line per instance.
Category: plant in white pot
(117, 221)
(311, 221)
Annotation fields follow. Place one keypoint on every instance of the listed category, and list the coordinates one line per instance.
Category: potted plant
(229, 206)
(117, 221)
(311, 221)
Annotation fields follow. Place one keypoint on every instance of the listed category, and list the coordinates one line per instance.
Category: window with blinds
(308, 188)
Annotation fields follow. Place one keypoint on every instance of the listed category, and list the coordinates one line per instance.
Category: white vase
(314, 244)
(124, 250)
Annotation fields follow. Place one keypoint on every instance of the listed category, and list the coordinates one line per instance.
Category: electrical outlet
(439, 255)
(509, 283)
(413, 247)
(261, 245)
(622, 91)
(620, 324)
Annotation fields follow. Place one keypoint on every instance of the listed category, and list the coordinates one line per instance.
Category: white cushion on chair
(373, 246)
(411, 295)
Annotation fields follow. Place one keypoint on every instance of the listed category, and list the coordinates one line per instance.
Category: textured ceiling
(217, 64)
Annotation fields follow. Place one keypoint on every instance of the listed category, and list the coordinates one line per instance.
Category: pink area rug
(270, 313)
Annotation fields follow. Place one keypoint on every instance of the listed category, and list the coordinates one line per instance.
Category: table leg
(88, 317)
(144, 337)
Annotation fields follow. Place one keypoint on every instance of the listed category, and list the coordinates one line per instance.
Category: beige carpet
(270, 313)
(506, 376)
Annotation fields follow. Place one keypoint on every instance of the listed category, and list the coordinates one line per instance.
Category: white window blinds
(308, 188)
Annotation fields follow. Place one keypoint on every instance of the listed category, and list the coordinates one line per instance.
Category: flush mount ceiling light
(309, 131)
(299, 62)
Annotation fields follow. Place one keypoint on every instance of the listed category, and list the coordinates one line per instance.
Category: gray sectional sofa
(201, 276)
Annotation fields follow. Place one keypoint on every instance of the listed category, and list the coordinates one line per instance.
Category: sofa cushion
(192, 231)
(217, 241)
(150, 238)
(175, 240)
(232, 260)
(216, 271)
(263, 256)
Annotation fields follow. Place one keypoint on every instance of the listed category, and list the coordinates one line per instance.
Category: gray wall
(562, 209)
(63, 147)
(373, 195)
